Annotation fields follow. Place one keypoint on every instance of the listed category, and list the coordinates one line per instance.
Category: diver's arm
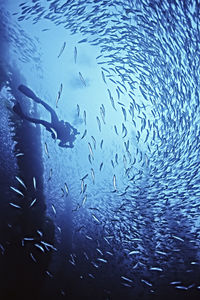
(75, 131)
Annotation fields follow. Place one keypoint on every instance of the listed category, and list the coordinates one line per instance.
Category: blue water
(130, 85)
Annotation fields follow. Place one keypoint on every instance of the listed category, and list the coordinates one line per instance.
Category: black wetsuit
(65, 132)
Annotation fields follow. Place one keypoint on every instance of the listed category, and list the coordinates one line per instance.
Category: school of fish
(146, 238)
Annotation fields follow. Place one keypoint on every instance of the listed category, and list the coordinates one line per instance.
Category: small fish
(28, 239)
(48, 245)
(102, 260)
(101, 144)
(175, 282)
(94, 141)
(59, 94)
(134, 252)
(181, 287)
(88, 237)
(75, 54)
(90, 158)
(40, 233)
(124, 130)
(146, 282)
(115, 127)
(49, 274)
(78, 110)
(63, 192)
(114, 182)
(84, 116)
(146, 136)
(126, 284)
(161, 252)
(46, 149)
(101, 165)
(66, 188)
(116, 158)
(126, 279)
(118, 94)
(124, 113)
(82, 185)
(17, 191)
(39, 247)
(14, 205)
(100, 252)
(21, 182)
(82, 41)
(62, 49)
(86, 175)
(53, 208)
(90, 148)
(124, 161)
(50, 174)
(102, 115)
(72, 262)
(120, 103)
(33, 258)
(34, 183)
(82, 79)
(177, 238)
(96, 219)
(113, 103)
(93, 175)
(156, 269)
(84, 134)
(84, 188)
(32, 203)
(84, 200)
(103, 76)
(99, 124)
(112, 163)
(85, 254)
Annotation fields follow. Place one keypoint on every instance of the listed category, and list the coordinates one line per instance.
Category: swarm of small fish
(150, 53)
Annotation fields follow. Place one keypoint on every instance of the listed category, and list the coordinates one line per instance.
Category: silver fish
(59, 94)
(78, 110)
(82, 79)
(90, 148)
(62, 49)
(32, 203)
(93, 175)
(94, 141)
(21, 182)
(46, 149)
(101, 144)
(114, 182)
(17, 191)
(84, 134)
(84, 116)
(14, 205)
(99, 124)
(34, 183)
(75, 54)
(101, 165)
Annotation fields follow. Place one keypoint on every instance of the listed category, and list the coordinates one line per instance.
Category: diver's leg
(29, 93)
(54, 118)
(17, 109)
(38, 121)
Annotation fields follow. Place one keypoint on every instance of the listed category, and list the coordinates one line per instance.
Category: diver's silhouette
(59, 129)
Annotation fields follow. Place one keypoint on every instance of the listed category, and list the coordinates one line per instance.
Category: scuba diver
(59, 129)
